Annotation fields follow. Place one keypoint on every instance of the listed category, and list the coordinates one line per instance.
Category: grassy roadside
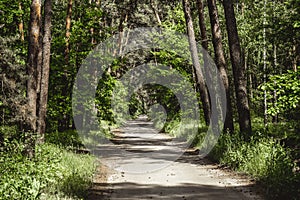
(268, 156)
(54, 173)
(262, 158)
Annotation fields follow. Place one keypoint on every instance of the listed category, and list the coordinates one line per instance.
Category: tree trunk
(295, 56)
(33, 61)
(68, 28)
(45, 71)
(196, 63)
(265, 66)
(63, 122)
(204, 40)
(21, 24)
(34, 51)
(220, 60)
(238, 69)
(202, 25)
(275, 117)
(155, 12)
(123, 19)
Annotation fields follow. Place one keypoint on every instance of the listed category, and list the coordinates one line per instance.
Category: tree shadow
(184, 191)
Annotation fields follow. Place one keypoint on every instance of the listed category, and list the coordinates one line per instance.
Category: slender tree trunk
(275, 118)
(33, 61)
(196, 63)
(204, 40)
(220, 60)
(64, 121)
(21, 24)
(123, 19)
(68, 30)
(247, 68)
(32, 72)
(265, 66)
(295, 59)
(202, 25)
(45, 71)
(155, 12)
(238, 69)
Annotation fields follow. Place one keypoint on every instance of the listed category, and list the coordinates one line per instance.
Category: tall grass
(263, 158)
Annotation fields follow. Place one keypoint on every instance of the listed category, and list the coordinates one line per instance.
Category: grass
(263, 158)
(54, 173)
(269, 156)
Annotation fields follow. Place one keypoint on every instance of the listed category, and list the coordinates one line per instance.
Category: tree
(68, 30)
(220, 60)
(45, 71)
(238, 69)
(202, 25)
(21, 24)
(33, 71)
(34, 50)
(196, 63)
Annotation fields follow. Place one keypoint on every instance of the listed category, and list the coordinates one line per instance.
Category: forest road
(152, 165)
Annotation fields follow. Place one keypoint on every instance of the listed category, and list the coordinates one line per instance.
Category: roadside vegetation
(56, 172)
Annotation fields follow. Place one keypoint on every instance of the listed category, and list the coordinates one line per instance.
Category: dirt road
(151, 165)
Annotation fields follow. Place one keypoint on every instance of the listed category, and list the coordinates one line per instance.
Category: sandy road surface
(144, 164)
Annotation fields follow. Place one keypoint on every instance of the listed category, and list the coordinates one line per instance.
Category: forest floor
(141, 163)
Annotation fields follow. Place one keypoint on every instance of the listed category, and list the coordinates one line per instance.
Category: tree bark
(220, 60)
(204, 40)
(64, 120)
(196, 63)
(34, 51)
(202, 24)
(33, 61)
(45, 71)
(21, 24)
(68, 28)
(238, 69)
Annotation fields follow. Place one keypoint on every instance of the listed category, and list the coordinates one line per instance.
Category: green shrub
(67, 139)
(8, 131)
(51, 173)
(263, 158)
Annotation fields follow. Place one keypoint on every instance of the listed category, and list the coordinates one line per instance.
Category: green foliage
(67, 139)
(12, 83)
(175, 20)
(287, 88)
(51, 173)
(9, 132)
(263, 158)
(11, 15)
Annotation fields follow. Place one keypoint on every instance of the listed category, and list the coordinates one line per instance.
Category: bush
(51, 173)
(67, 139)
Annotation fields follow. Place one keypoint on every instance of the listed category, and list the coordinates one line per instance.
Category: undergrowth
(54, 173)
(263, 158)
